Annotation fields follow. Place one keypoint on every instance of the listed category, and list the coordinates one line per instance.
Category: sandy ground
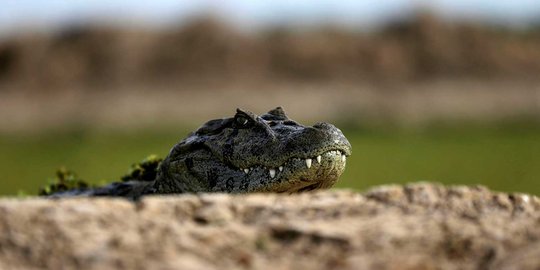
(406, 103)
(417, 226)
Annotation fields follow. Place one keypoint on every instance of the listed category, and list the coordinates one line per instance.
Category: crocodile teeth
(280, 168)
(343, 158)
(246, 170)
(308, 162)
(319, 159)
(272, 173)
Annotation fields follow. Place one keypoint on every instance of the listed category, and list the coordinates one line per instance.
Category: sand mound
(420, 226)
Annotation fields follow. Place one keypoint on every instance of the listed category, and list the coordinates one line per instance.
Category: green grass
(502, 159)
(27, 162)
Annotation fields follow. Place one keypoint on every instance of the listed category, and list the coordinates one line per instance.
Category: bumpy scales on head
(248, 153)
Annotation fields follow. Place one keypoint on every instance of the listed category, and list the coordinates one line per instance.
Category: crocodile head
(251, 153)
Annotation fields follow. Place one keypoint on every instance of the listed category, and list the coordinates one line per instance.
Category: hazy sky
(16, 15)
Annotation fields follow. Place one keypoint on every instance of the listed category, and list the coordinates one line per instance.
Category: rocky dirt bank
(419, 226)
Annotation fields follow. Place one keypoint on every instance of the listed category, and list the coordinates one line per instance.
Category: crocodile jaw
(203, 172)
(298, 175)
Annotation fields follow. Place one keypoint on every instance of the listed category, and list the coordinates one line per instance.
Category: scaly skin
(245, 153)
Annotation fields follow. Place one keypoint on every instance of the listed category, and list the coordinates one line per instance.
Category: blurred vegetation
(206, 50)
(503, 158)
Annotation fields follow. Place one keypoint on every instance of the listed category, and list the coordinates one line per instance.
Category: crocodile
(241, 154)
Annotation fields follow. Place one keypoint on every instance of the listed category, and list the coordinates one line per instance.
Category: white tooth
(272, 173)
(319, 158)
(246, 170)
(280, 168)
(343, 158)
(308, 162)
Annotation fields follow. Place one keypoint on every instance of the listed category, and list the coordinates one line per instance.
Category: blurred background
(445, 91)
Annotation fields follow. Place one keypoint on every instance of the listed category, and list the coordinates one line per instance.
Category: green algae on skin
(145, 170)
(65, 180)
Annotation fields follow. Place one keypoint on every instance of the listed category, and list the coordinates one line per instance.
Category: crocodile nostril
(322, 125)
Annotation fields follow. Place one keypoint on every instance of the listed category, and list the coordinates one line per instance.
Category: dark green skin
(214, 159)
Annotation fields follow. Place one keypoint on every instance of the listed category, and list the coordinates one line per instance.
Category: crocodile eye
(241, 121)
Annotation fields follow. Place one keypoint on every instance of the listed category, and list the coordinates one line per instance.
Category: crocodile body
(243, 153)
